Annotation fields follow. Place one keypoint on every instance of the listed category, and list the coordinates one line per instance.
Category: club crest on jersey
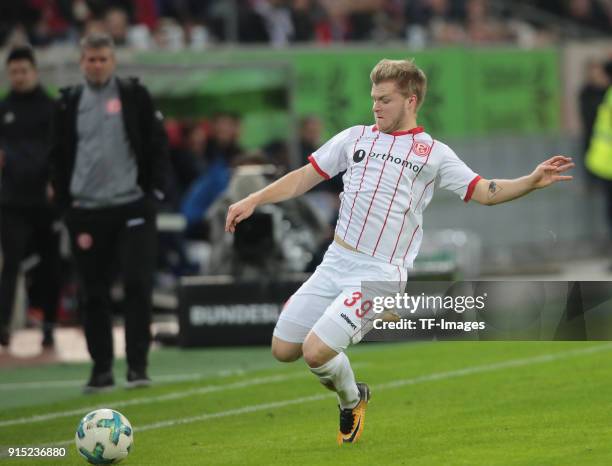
(421, 149)
(113, 106)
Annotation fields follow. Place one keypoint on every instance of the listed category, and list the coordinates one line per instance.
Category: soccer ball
(104, 436)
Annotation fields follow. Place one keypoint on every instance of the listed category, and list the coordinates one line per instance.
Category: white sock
(337, 374)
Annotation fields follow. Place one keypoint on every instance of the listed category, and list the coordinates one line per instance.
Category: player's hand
(238, 212)
(550, 171)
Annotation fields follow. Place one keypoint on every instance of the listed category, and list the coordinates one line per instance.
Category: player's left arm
(491, 192)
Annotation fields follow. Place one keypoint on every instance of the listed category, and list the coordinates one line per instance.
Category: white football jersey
(389, 181)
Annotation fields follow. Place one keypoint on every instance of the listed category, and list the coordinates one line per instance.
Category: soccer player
(390, 168)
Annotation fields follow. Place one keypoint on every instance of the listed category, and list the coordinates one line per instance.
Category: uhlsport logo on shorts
(348, 320)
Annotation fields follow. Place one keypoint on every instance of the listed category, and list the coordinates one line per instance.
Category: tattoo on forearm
(493, 189)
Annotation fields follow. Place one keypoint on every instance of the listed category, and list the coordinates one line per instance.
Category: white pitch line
(384, 386)
(158, 379)
(161, 398)
(493, 367)
(167, 378)
(155, 399)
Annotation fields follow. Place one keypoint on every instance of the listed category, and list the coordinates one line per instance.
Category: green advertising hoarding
(515, 92)
(471, 92)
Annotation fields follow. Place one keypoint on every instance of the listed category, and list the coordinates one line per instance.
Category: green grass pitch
(443, 403)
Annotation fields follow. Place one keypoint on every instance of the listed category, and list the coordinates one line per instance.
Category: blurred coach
(109, 160)
(27, 219)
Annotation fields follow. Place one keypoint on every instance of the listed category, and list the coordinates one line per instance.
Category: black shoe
(100, 382)
(5, 337)
(48, 341)
(137, 378)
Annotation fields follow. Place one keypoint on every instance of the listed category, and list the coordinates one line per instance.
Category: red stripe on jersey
(365, 221)
(424, 189)
(471, 188)
(410, 205)
(391, 203)
(433, 142)
(416, 176)
(348, 184)
(400, 278)
(314, 163)
(360, 183)
(410, 244)
(399, 235)
(354, 149)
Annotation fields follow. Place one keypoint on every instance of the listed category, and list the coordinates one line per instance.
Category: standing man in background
(26, 216)
(109, 161)
(591, 96)
(599, 154)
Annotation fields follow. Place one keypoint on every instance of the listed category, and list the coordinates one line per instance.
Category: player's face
(98, 65)
(22, 75)
(392, 110)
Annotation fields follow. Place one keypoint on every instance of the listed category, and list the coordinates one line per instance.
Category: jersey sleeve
(330, 159)
(454, 175)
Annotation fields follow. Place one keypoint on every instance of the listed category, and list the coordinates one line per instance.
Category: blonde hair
(408, 77)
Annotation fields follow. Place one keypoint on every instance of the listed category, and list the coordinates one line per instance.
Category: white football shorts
(332, 303)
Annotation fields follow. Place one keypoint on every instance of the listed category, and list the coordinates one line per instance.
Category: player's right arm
(293, 184)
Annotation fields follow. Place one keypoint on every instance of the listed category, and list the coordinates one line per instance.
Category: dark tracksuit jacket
(125, 232)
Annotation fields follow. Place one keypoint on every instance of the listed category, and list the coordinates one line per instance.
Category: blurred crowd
(204, 153)
(196, 24)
